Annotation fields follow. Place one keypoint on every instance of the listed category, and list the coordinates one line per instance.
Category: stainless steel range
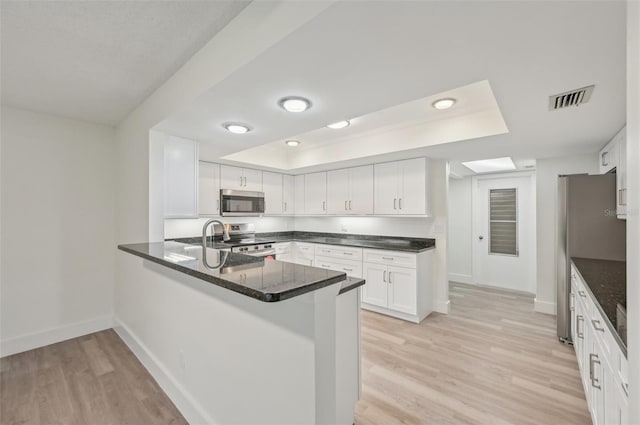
(243, 241)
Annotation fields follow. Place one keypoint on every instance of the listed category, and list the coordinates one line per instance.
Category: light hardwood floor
(94, 379)
(491, 361)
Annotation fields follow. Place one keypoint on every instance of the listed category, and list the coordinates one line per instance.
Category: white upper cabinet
(237, 178)
(609, 156)
(299, 191)
(288, 194)
(401, 187)
(272, 188)
(180, 178)
(350, 191)
(315, 196)
(208, 188)
(338, 192)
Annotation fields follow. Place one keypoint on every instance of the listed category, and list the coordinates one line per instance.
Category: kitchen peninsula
(246, 339)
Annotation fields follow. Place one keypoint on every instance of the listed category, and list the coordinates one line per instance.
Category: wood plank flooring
(492, 360)
(94, 379)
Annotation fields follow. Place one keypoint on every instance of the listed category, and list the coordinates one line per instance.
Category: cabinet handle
(240, 180)
(400, 203)
(595, 382)
(582, 294)
(597, 327)
(324, 206)
(391, 258)
(324, 265)
(349, 205)
(389, 277)
(605, 156)
(347, 270)
(384, 276)
(394, 203)
(579, 318)
(348, 253)
(285, 206)
(345, 205)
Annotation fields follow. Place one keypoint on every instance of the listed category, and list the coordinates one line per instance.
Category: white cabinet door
(360, 190)
(315, 193)
(180, 178)
(338, 192)
(375, 291)
(402, 289)
(621, 174)
(231, 178)
(288, 195)
(272, 188)
(252, 179)
(208, 188)
(385, 182)
(299, 191)
(412, 198)
(609, 157)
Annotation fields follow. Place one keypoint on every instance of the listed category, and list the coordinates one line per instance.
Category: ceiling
(356, 58)
(96, 61)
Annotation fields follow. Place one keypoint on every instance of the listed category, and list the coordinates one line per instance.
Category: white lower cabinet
(601, 362)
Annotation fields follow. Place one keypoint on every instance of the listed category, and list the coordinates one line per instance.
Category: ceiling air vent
(570, 98)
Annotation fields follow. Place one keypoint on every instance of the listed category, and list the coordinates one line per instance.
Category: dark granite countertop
(607, 282)
(263, 279)
(350, 283)
(391, 243)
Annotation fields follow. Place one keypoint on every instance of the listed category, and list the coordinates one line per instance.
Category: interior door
(504, 232)
(375, 292)
(402, 289)
(361, 190)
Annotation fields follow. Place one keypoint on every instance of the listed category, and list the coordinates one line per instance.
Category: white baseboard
(51, 336)
(546, 307)
(461, 278)
(183, 400)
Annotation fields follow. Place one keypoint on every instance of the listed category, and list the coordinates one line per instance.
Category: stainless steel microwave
(241, 203)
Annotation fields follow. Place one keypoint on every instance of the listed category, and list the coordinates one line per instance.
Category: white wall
(58, 228)
(459, 223)
(633, 213)
(547, 172)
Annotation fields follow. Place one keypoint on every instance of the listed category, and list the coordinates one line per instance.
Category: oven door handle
(262, 253)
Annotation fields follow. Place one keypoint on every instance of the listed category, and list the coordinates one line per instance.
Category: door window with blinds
(503, 221)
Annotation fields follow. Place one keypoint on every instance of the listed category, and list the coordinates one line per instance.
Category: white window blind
(503, 221)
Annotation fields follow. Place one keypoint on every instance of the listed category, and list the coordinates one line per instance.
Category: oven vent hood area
(241, 203)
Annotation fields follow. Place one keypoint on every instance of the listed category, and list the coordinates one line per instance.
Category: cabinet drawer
(345, 252)
(282, 247)
(351, 268)
(305, 250)
(391, 258)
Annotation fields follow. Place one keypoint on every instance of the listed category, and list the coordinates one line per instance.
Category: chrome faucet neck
(225, 234)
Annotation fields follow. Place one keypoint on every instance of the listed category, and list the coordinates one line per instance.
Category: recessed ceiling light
(237, 127)
(340, 124)
(490, 165)
(295, 103)
(292, 143)
(444, 103)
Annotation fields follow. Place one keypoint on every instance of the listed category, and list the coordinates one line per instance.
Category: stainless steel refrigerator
(586, 227)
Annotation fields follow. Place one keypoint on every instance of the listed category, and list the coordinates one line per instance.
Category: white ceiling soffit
(359, 57)
(97, 60)
(411, 125)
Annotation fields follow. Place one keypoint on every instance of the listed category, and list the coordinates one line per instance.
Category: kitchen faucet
(225, 234)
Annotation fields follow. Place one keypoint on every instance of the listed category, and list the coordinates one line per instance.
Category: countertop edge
(607, 321)
(357, 282)
(232, 286)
